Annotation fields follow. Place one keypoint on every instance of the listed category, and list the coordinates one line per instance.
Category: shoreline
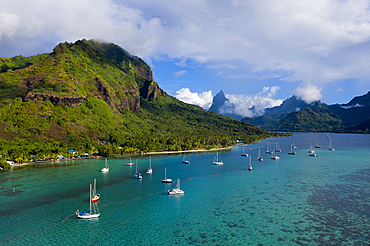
(184, 151)
(147, 153)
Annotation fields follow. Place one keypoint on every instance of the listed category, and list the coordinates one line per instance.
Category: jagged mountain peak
(218, 101)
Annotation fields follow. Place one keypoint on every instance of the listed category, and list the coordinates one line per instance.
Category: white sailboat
(89, 214)
(216, 161)
(330, 148)
(137, 175)
(250, 163)
(95, 197)
(291, 151)
(294, 146)
(259, 157)
(106, 168)
(166, 180)
(311, 151)
(276, 148)
(274, 157)
(177, 190)
(130, 163)
(184, 160)
(150, 170)
(268, 151)
(244, 154)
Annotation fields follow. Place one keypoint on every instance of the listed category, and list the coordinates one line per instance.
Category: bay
(295, 200)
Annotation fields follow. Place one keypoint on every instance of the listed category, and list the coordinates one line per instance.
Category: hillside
(314, 118)
(93, 96)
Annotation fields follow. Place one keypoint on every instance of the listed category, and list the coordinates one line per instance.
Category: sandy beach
(147, 153)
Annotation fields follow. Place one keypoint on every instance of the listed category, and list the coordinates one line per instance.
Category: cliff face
(76, 71)
(70, 101)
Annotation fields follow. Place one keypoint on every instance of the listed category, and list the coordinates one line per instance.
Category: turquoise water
(297, 200)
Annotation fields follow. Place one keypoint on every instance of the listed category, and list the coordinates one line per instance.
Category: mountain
(218, 101)
(289, 105)
(91, 95)
(222, 105)
(320, 117)
(314, 118)
(360, 101)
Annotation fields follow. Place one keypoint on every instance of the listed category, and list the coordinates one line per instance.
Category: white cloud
(179, 73)
(181, 63)
(238, 104)
(260, 101)
(308, 92)
(203, 99)
(323, 39)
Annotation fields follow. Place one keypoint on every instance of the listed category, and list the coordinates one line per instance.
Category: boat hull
(218, 163)
(176, 192)
(86, 215)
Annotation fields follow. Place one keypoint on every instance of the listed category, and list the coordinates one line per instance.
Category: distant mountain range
(296, 115)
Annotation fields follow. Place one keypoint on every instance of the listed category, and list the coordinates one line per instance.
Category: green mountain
(319, 117)
(94, 96)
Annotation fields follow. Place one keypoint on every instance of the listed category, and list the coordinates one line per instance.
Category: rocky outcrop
(70, 101)
(145, 73)
(151, 90)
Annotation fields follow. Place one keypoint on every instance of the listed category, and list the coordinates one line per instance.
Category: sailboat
(137, 175)
(250, 163)
(177, 190)
(150, 170)
(317, 146)
(330, 148)
(106, 168)
(130, 163)
(88, 214)
(166, 180)
(311, 151)
(291, 151)
(268, 151)
(294, 146)
(274, 157)
(244, 154)
(216, 161)
(184, 160)
(95, 197)
(259, 157)
(276, 148)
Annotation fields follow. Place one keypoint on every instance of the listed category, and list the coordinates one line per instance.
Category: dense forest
(95, 97)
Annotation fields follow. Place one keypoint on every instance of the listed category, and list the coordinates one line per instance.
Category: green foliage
(106, 80)
(315, 118)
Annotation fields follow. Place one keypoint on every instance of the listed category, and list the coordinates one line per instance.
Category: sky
(258, 53)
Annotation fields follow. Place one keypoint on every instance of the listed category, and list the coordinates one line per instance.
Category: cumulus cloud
(323, 39)
(243, 105)
(203, 99)
(308, 92)
(254, 105)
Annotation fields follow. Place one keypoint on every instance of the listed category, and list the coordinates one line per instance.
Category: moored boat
(165, 179)
(88, 214)
(177, 190)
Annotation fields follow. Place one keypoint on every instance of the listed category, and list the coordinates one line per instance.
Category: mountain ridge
(296, 115)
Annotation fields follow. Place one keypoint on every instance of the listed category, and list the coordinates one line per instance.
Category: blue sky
(258, 52)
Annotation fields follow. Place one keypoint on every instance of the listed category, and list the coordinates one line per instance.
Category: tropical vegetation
(95, 97)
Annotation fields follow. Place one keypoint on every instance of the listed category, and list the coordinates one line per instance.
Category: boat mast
(90, 198)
